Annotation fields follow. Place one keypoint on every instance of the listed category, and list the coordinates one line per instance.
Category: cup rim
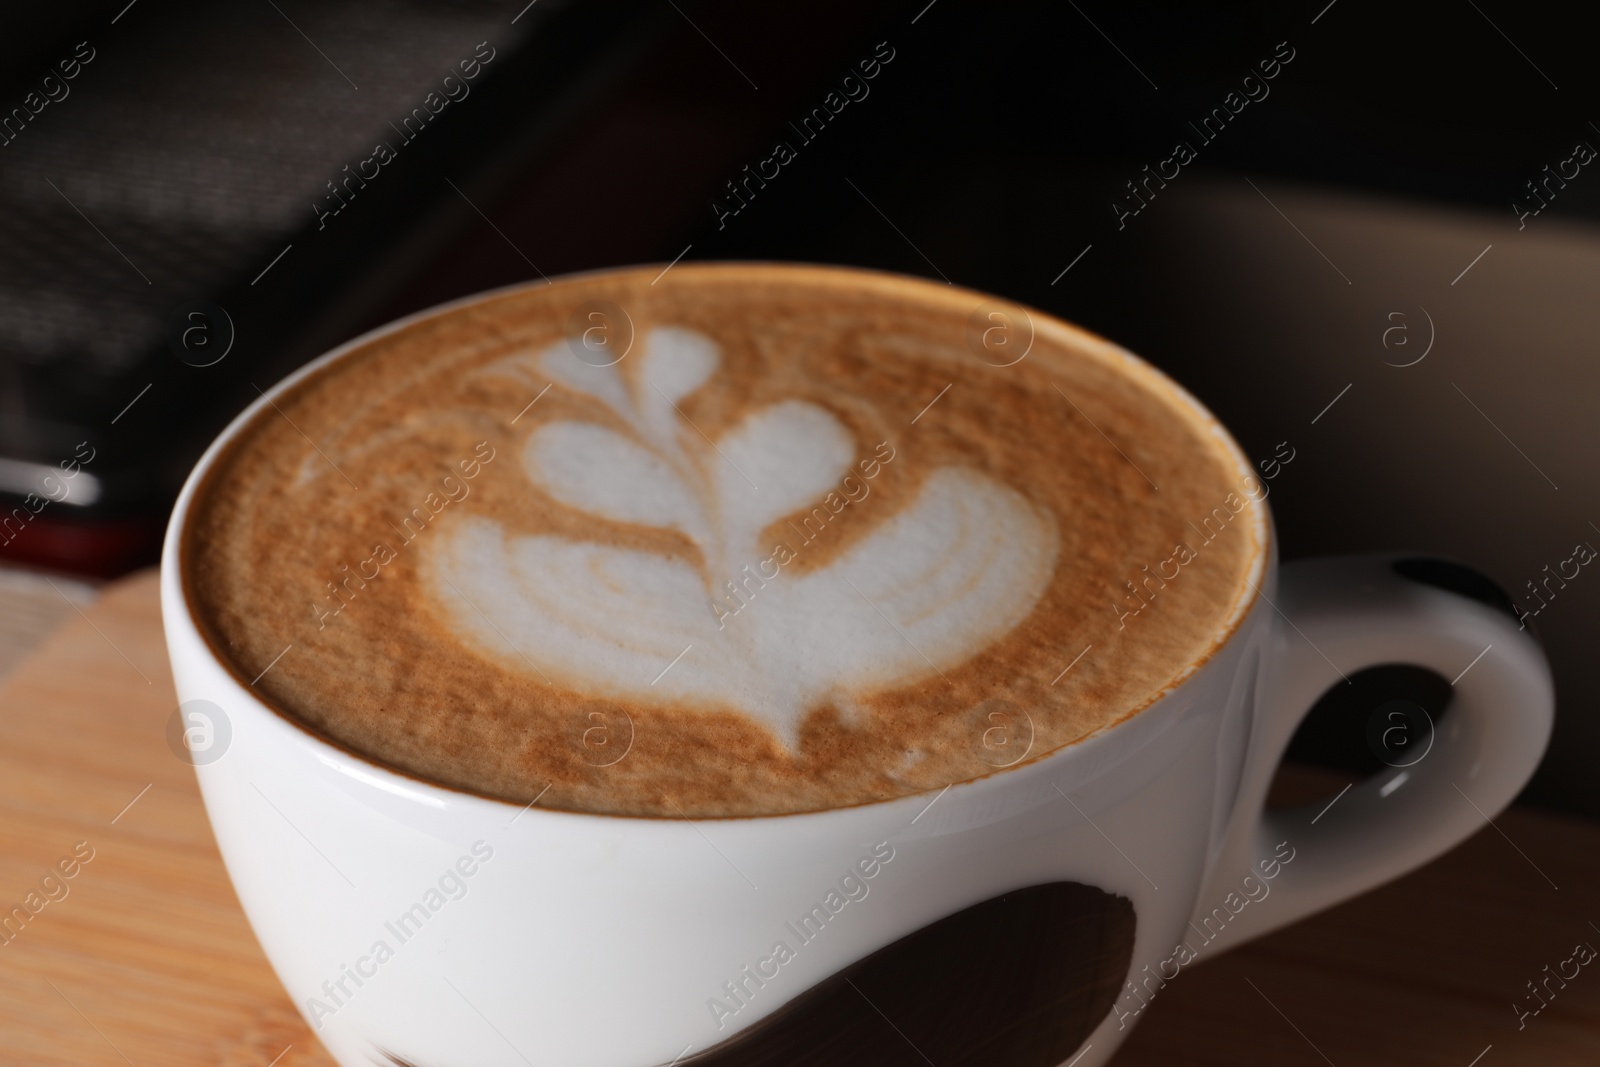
(177, 580)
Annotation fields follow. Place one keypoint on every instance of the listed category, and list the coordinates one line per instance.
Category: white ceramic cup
(415, 924)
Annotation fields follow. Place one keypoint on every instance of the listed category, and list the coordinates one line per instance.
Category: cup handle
(1335, 617)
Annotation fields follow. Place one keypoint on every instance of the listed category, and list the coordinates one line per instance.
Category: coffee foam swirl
(925, 590)
(738, 566)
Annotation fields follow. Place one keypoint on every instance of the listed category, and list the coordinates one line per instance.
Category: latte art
(741, 566)
(925, 590)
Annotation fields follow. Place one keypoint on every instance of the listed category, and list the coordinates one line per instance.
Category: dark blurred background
(1348, 258)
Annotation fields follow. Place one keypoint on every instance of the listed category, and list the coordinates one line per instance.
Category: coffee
(734, 540)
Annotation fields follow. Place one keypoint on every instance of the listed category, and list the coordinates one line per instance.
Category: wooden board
(147, 959)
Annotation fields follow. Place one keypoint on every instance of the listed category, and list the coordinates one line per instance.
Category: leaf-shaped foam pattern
(794, 452)
(961, 567)
(675, 362)
(928, 588)
(605, 384)
(593, 468)
(596, 616)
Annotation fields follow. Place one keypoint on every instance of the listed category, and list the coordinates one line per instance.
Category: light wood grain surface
(32, 605)
(147, 959)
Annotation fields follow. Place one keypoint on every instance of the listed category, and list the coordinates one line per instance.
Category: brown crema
(949, 500)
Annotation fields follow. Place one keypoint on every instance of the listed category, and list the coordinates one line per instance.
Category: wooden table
(148, 960)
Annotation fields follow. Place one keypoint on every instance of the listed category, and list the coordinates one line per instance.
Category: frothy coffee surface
(745, 540)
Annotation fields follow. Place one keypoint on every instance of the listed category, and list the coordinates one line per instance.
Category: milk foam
(931, 586)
